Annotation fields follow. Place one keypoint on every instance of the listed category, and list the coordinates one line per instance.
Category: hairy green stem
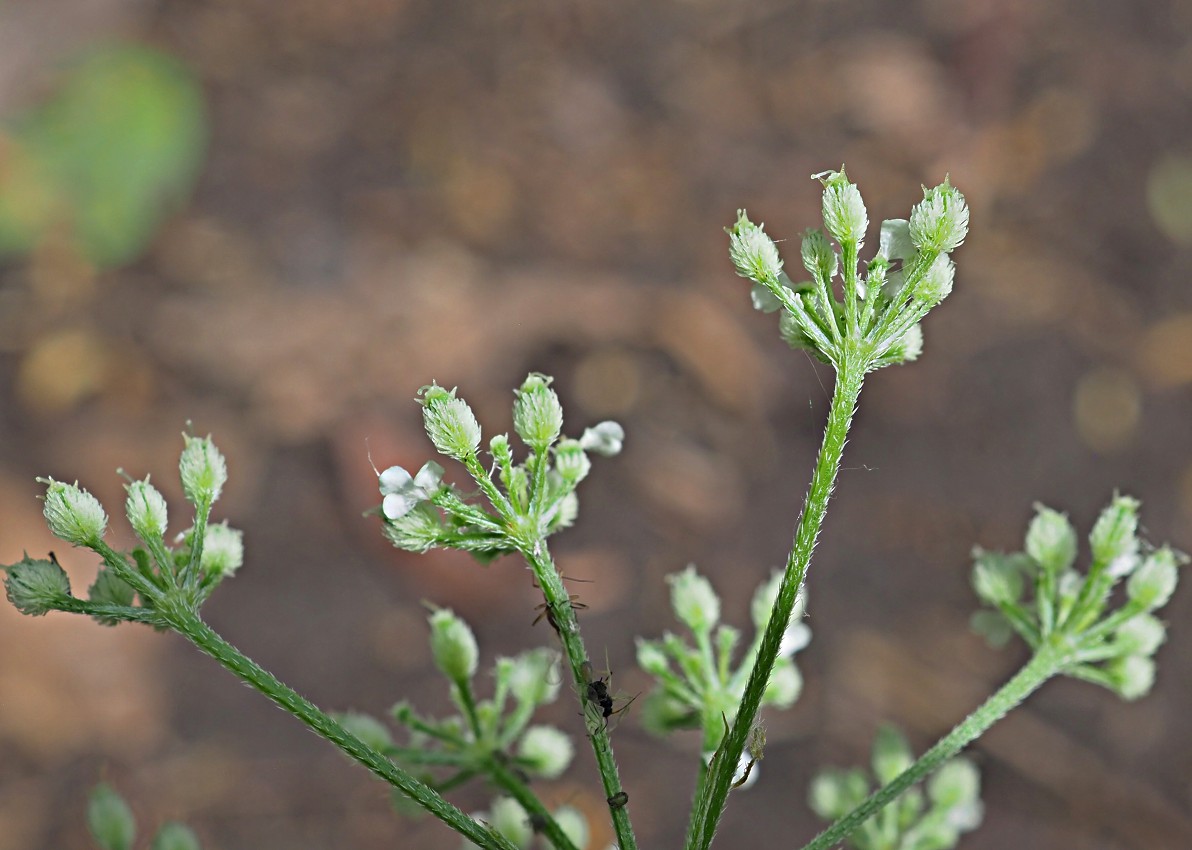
(713, 792)
(190, 626)
(562, 618)
(1047, 662)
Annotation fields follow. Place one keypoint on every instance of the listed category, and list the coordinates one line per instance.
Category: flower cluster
(699, 686)
(1038, 594)
(877, 313)
(915, 821)
(525, 501)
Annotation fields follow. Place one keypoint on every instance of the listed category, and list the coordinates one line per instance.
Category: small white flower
(605, 438)
(402, 491)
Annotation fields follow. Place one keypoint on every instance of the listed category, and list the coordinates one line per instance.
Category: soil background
(396, 192)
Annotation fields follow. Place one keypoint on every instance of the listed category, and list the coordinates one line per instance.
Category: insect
(618, 800)
(596, 694)
(545, 609)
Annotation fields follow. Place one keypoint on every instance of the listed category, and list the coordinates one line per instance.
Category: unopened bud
(1114, 538)
(449, 422)
(818, 257)
(891, 754)
(73, 514)
(1152, 584)
(453, 645)
(223, 550)
(203, 470)
(1133, 676)
(510, 819)
(754, 254)
(547, 751)
(845, 216)
(573, 824)
(110, 819)
(572, 462)
(1051, 540)
(936, 284)
(940, 221)
(694, 601)
(537, 413)
(146, 510)
(175, 836)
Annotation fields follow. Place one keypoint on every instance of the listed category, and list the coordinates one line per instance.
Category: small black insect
(545, 609)
(596, 693)
(618, 800)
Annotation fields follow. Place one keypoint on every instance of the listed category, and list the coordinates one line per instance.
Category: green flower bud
(906, 349)
(936, 284)
(416, 531)
(573, 824)
(510, 819)
(818, 256)
(453, 645)
(537, 413)
(534, 677)
(992, 626)
(367, 728)
(605, 439)
(175, 836)
(694, 601)
(891, 754)
(571, 462)
(36, 587)
(753, 253)
(547, 751)
(940, 221)
(146, 510)
(996, 578)
(1051, 540)
(1140, 635)
(203, 470)
(1133, 676)
(1114, 540)
(663, 713)
(793, 334)
(73, 514)
(223, 550)
(835, 792)
(449, 422)
(956, 783)
(785, 685)
(1152, 584)
(652, 658)
(845, 216)
(110, 819)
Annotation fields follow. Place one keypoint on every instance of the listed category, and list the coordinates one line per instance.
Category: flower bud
(510, 819)
(785, 685)
(940, 221)
(572, 462)
(818, 257)
(753, 253)
(652, 658)
(534, 677)
(694, 601)
(367, 728)
(223, 550)
(175, 836)
(1152, 584)
(573, 824)
(1113, 539)
(845, 216)
(547, 751)
(996, 579)
(537, 413)
(936, 284)
(449, 422)
(605, 439)
(110, 820)
(36, 587)
(835, 792)
(73, 514)
(891, 754)
(203, 470)
(146, 510)
(1140, 635)
(417, 531)
(1133, 676)
(956, 783)
(1051, 540)
(453, 645)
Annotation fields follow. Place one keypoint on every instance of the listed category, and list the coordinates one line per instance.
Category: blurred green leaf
(116, 147)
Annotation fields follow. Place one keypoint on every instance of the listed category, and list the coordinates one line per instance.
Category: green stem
(563, 619)
(190, 626)
(1047, 662)
(109, 611)
(713, 794)
(543, 820)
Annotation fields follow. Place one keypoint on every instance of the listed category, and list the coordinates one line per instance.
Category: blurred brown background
(393, 192)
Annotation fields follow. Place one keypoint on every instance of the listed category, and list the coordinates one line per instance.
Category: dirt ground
(395, 192)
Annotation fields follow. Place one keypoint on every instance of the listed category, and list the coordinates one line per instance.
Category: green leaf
(110, 819)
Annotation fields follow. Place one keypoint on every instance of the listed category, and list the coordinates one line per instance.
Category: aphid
(596, 693)
(618, 800)
(545, 609)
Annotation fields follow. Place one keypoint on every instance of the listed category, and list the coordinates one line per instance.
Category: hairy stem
(713, 792)
(1047, 662)
(190, 626)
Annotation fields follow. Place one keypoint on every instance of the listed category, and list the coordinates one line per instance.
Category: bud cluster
(698, 684)
(1039, 594)
(113, 827)
(933, 820)
(533, 498)
(840, 308)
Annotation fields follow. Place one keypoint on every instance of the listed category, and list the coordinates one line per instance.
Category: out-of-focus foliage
(97, 163)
